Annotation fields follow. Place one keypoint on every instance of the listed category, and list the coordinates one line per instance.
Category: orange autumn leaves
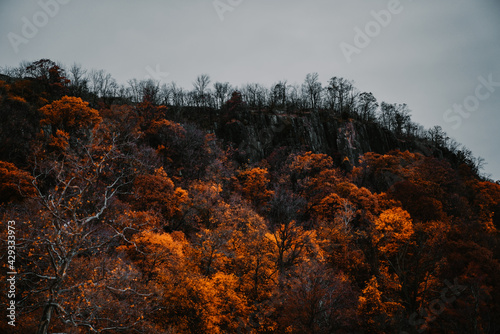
(254, 183)
(67, 117)
(393, 228)
(158, 192)
(15, 184)
(69, 114)
(169, 233)
(203, 282)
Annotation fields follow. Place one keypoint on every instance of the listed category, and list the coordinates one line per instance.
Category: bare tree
(201, 89)
(386, 116)
(311, 89)
(255, 95)
(341, 95)
(134, 90)
(367, 106)
(222, 93)
(437, 135)
(166, 94)
(102, 84)
(77, 74)
(178, 95)
(401, 118)
(294, 99)
(395, 117)
(150, 91)
(79, 81)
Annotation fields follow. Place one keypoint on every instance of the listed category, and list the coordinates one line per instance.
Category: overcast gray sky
(431, 55)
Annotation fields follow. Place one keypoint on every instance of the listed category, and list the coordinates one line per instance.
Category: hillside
(152, 209)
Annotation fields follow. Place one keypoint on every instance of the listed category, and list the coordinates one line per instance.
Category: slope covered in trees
(138, 209)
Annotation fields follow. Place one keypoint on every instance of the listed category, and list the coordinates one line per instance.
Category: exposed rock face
(257, 134)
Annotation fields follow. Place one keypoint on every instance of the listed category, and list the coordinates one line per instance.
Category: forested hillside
(149, 208)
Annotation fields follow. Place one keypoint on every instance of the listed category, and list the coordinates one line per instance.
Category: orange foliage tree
(375, 310)
(254, 185)
(69, 114)
(158, 192)
(15, 184)
(75, 191)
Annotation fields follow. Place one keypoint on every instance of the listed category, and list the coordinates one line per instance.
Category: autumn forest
(151, 208)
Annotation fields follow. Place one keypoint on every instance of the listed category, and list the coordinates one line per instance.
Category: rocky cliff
(257, 134)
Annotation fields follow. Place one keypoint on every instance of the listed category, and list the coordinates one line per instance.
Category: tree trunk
(46, 317)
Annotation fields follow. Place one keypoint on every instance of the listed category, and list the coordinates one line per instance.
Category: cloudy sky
(442, 57)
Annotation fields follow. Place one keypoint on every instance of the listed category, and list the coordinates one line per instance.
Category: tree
(341, 95)
(367, 106)
(70, 222)
(393, 229)
(76, 187)
(19, 121)
(285, 206)
(79, 81)
(386, 115)
(394, 117)
(437, 135)
(178, 95)
(311, 89)
(401, 119)
(309, 164)
(158, 192)
(151, 91)
(200, 89)
(185, 150)
(279, 95)
(254, 183)
(312, 176)
(149, 112)
(294, 97)
(221, 91)
(133, 219)
(49, 75)
(102, 84)
(198, 296)
(69, 114)
(15, 184)
(318, 300)
(374, 310)
(235, 102)
(291, 246)
(255, 95)
(393, 240)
